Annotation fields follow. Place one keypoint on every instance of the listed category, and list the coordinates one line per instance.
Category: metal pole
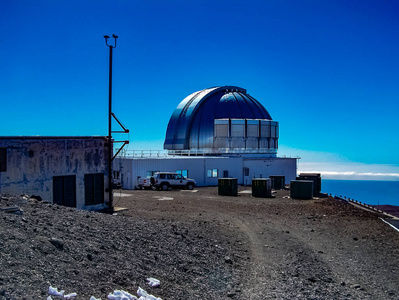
(110, 144)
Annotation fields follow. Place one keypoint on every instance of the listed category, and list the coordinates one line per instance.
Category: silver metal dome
(220, 120)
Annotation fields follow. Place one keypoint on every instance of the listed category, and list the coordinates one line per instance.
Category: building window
(151, 173)
(64, 190)
(212, 172)
(184, 173)
(94, 188)
(116, 174)
(3, 159)
(225, 173)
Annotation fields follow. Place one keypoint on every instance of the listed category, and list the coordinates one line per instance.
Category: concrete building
(213, 133)
(70, 171)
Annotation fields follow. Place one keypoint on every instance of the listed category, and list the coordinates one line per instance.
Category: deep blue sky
(326, 70)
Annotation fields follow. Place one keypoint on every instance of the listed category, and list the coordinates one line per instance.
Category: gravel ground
(200, 246)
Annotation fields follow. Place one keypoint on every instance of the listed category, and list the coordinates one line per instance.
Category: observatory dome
(222, 120)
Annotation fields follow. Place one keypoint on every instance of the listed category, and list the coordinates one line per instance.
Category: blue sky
(326, 70)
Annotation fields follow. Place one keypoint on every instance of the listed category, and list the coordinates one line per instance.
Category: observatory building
(213, 133)
(222, 120)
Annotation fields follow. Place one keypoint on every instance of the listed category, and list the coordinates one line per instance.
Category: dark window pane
(64, 190)
(89, 187)
(3, 159)
(58, 190)
(94, 188)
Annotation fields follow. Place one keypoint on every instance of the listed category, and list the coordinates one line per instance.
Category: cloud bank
(351, 171)
(336, 166)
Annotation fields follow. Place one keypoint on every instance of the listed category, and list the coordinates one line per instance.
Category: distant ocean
(365, 191)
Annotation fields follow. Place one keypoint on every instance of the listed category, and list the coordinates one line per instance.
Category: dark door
(3, 159)
(64, 190)
(94, 188)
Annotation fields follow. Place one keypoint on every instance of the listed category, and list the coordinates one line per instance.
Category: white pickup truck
(166, 180)
(144, 183)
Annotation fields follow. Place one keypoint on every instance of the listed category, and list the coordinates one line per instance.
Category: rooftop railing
(196, 152)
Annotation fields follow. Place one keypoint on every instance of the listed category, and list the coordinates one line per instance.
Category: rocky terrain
(200, 246)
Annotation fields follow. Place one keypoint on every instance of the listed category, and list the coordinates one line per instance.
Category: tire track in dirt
(281, 264)
(289, 249)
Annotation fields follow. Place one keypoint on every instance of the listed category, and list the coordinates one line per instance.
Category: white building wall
(125, 167)
(32, 163)
(142, 166)
(263, 168)
(234, 166)
(133, 168)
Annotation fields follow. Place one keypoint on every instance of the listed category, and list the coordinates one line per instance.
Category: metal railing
(195, 152)
(349, 200)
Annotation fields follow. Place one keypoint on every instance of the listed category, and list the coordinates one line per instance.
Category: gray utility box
(227, 186)
(261, 187)
(278, 182)
(301, 189)
(315, 177)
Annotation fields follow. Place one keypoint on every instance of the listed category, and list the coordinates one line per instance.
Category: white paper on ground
(145, 296)
(153, 282)
(71, 295)
(54, 291)
(116, 295)
(130, 296)
(121, 295)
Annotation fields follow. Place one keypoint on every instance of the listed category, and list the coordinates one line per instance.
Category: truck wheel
(164, 186)
(190, 186)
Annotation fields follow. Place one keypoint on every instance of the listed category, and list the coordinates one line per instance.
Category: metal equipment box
(227, 186)
(277, 181)
(315, 177)
(301, 189)
(261, 187)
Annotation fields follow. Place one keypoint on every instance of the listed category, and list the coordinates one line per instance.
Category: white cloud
(355, 176)
(336, 166)
(311, 156)
(350, 171)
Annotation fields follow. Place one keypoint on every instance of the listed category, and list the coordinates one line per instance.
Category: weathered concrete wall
(32, 162)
